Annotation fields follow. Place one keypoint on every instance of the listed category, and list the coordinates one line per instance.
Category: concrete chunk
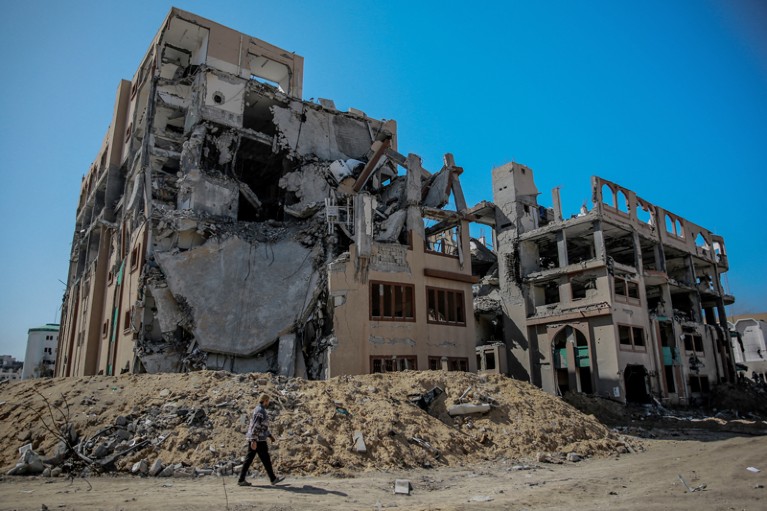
(402, 487)
(359, 442)
(156, 467)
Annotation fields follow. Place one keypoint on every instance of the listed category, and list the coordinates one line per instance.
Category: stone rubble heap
(193, 424)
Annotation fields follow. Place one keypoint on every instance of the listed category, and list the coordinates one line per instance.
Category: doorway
(635, 378)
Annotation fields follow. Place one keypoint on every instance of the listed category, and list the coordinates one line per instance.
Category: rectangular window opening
(391, 302)
(631, 338)
(389, 364)
(445, 306)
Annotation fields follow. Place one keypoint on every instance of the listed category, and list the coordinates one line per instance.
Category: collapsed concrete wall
(238, 265)
(238, 268)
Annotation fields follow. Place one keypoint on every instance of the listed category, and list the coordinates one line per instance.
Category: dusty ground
(646, 480)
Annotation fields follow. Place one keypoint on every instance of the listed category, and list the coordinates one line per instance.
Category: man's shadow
(311, 490)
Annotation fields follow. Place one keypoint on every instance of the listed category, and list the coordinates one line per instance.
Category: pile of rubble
(192, 424)
(731, 409)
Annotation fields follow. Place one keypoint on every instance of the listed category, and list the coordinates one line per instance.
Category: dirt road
(646, 480)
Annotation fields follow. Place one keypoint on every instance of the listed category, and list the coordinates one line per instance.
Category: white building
(40, 358)
(10, 368)
(753, 335)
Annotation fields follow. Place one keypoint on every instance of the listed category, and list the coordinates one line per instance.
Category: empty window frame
(135, 256)
(126, 321)
(453, 363)
(546, 294)
(390, 364)
(489, 357)
(626, 290)
(631, 338)
(443, 243)
(693, 342)
(445, 306)
(391, 302)
(580, 286)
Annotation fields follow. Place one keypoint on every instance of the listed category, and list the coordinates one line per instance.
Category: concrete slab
(242, 296)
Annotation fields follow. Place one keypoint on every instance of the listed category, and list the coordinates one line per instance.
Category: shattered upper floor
(622, 232)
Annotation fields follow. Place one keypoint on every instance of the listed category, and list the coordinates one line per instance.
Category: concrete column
(572, 367)
(668, 309)
(694, 297)
(599, 241)
(562, 248)
(660, 257)
(637, 253)
(726, 344)
(557, 204)
(413, 195)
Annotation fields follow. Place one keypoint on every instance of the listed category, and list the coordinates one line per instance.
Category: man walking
(258, 433)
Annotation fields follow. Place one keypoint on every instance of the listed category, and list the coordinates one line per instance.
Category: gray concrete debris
(181, 471)
(468, 408)
(359, 442)
(544, 457)
(402, 487)
(426, 400)
(481, 498)
(140, 467)
(59, 453)
(214, 275)
(157, 467)
(29, 463)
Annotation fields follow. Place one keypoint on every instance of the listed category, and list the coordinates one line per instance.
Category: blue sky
(668, 98)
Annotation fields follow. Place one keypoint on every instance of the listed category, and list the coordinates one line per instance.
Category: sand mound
(199, 419)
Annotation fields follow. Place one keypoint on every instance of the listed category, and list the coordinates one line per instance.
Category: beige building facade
(412, 307)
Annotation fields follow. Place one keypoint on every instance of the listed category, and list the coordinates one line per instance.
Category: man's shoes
(244, 483)
(278, 479)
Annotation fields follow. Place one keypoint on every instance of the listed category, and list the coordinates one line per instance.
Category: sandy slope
(313, 420)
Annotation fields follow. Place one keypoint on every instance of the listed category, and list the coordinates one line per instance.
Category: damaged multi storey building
(228, 224)
(623, 300)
